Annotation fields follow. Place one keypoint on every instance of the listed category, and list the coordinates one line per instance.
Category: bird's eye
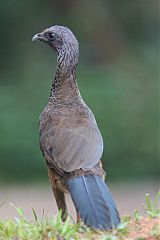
(51, 36)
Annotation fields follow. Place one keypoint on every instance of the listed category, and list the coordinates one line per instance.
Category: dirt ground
(128, 196)
(146, 228)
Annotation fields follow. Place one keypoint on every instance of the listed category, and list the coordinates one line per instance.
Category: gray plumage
(69, 136)
(95, 196)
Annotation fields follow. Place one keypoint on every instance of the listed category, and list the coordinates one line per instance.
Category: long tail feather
(94, 202)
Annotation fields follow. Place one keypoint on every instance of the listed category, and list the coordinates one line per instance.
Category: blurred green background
(117, 76)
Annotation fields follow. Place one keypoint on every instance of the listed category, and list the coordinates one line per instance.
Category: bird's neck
(64, 85)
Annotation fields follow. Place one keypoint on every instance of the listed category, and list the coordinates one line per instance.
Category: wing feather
(80, 147)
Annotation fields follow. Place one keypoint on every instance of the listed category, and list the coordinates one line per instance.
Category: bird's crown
(58, 35)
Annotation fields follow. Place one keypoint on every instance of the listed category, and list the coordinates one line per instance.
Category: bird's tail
(94, 202)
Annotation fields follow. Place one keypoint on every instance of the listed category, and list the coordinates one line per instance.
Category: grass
(151, 206)
(137, 227)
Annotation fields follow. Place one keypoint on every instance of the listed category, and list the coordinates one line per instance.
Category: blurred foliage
(117, 75)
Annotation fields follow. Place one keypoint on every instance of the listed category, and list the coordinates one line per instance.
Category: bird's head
(62, 40)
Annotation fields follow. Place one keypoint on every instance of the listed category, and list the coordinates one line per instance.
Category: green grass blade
(35, 215)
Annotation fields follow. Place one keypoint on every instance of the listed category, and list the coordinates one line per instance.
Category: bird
(71, 141)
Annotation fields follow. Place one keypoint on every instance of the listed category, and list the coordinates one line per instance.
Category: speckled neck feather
(64, 85)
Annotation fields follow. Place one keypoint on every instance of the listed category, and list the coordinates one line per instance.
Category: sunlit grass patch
(44, 228)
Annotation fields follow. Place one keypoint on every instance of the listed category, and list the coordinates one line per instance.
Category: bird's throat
(64, 87)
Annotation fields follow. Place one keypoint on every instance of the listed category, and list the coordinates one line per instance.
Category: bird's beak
(39, 37)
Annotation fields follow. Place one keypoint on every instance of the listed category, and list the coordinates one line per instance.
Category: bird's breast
(67, 117)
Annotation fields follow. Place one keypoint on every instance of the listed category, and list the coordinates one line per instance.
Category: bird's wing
(72, 148)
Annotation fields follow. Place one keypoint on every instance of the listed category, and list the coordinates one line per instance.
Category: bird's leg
(78, 217)
(58, 190)
(61, 203)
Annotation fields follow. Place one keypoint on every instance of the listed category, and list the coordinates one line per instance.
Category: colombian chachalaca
(71, 141)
